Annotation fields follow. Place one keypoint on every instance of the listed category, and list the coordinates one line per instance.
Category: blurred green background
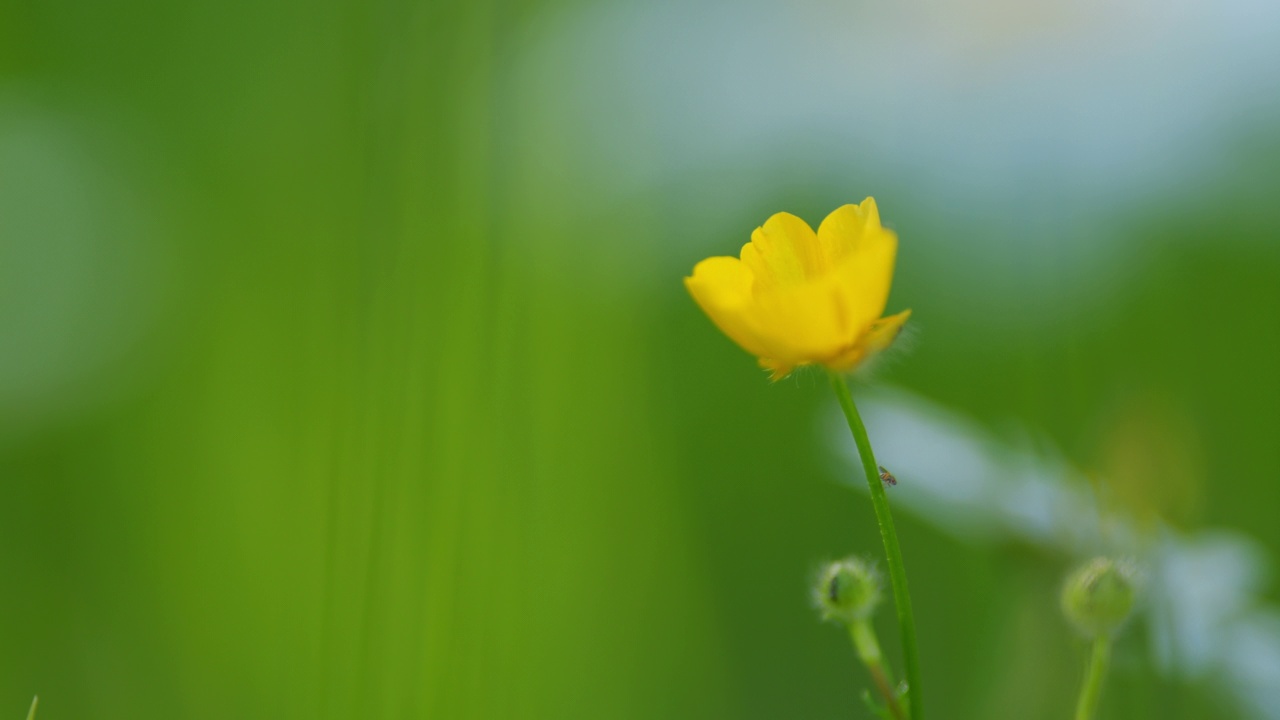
(346, 370)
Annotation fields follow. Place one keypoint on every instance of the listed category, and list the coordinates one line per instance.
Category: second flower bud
(847, 590)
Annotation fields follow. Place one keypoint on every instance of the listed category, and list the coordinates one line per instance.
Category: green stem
(864, 641)
(31, 714)
(1091, 691)
(897, 571)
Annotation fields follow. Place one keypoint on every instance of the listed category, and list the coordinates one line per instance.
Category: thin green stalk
(868, 647)
(31, 714)
(897, 571)
(1091, 691)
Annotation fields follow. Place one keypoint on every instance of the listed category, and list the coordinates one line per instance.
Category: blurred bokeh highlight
(346, 370)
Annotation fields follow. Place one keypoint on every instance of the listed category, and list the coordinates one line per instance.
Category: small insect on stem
(887, 477)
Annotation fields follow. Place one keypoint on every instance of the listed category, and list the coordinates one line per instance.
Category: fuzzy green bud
(1099, 596)
(848, 591)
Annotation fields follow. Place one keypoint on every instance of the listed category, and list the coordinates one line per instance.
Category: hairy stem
(1091, 691)
(893, 553)
(864, 641)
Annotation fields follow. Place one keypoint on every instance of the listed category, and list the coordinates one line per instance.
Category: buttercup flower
(794, 297)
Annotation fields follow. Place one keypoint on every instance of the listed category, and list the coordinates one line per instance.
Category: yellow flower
(796, 298)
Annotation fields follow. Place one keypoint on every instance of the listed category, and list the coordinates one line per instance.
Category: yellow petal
(802, 323)
(864, 253)
(784, 251)
(884, 332)
(843, 230)
(871, 211)
(877, 338)
(722, 286)
(849, 227)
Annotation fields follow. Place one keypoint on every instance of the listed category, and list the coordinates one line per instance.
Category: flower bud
(1099, 596)
(847, 591)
